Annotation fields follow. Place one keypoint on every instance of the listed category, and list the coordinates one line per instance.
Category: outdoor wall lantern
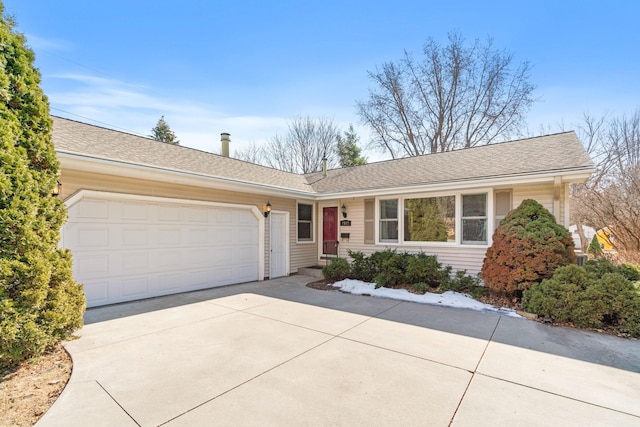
(267, 209)
(344, 211)
(55, 192)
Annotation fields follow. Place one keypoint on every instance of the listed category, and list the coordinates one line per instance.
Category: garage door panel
(243, 217)
(223, 216)
(223, 235)
(134, 237)
(88, 265)
(222, 276)
(245, 236)
(198, 215)
(131, 211)
(87, 236)
(131, 249)
(199, 256)
(198, 237)
(222, 255)
(168, 213)
(168, 283)
(243, 255)
(135, 287)
(244, 273)
(97, 291)
(169, 236)
(91, 209)
(198, 279)
(133, 262)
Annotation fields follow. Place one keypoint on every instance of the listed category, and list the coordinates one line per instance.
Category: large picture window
(305, 222)
(474, 219)
(448, 219)
(389, 220)
(430, 219)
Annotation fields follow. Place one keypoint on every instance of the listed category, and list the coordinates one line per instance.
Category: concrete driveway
(277, 353)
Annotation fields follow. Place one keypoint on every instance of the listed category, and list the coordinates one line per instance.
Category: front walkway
(277, 353)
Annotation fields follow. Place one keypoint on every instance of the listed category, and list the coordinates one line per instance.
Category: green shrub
(362, 267)
(527, 248)
(420, 288)
(559, 297)
(337, 270)
(599, 267)
(587, 298)
(426, 269)
(461, 282)
(631, 272)
(40, 304)
(392, 268)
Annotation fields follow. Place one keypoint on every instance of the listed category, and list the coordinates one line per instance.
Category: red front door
(330, 231)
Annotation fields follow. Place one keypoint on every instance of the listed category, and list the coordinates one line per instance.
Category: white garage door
(126, 248)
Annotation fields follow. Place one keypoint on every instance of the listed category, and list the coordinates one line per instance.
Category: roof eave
(572, 176)
(134, 170)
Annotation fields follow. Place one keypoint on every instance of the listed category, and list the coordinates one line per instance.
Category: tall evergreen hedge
(40, 303)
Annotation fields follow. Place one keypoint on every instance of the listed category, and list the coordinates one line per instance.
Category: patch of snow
(448, 299)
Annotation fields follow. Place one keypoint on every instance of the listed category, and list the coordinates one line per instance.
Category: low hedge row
(389, 268)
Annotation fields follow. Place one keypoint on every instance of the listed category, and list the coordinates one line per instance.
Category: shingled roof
(72, 137)
(551, 154)
(560, 153)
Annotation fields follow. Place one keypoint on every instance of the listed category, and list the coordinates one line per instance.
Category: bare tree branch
(455, 96)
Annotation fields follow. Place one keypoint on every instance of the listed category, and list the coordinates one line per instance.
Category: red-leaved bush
(527, 248)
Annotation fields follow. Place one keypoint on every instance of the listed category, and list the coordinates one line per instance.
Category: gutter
(135, 170)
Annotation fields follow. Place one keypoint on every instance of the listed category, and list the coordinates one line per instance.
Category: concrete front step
(314, 271)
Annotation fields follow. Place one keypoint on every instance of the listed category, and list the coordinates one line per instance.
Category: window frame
(379, 220)
(458, 194)
(312, 223)
(475, 217)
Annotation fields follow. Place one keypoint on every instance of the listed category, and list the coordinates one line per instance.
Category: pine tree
(162, 132)
(348, 150)
(595, 248)
(40, 303)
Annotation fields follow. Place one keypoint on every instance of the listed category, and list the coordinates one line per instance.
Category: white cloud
(134, 108)
(46, 44)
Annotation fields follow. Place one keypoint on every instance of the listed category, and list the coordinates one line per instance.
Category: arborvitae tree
(348, 150)
(162, 132)
(595, 248)
(40, 303)
(527, 247)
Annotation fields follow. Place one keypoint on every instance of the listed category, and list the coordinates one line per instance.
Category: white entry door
(279, 244)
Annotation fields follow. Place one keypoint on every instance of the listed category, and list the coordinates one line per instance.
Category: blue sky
(245, 67)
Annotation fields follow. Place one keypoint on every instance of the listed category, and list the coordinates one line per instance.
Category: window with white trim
(430, 219)
(305, 222)
(445, 219)
(474, 219)
(388, 220)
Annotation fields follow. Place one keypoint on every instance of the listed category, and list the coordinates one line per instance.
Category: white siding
(458, 257)
(543, 194)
